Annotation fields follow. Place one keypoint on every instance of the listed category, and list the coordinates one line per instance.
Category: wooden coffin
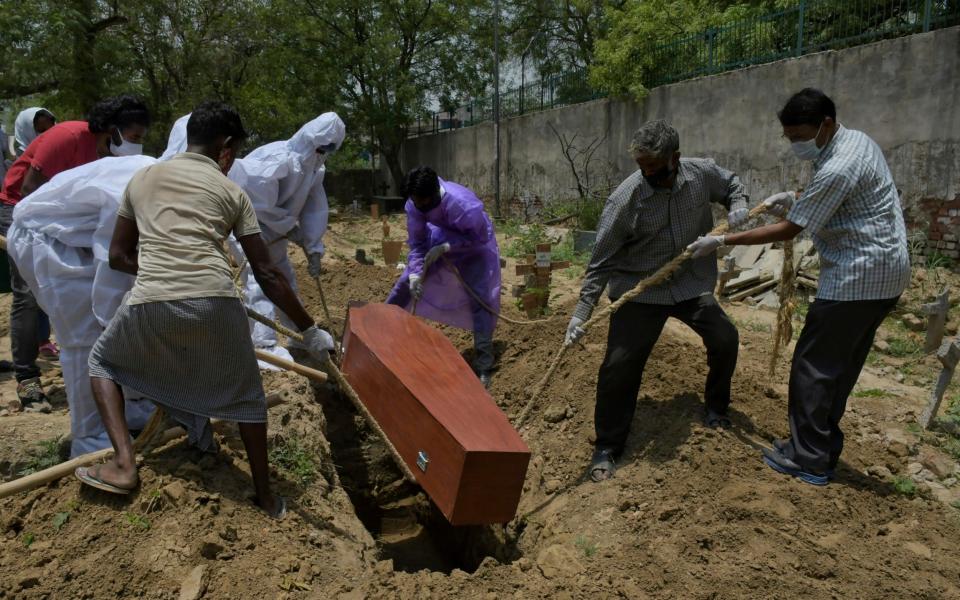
(444, 424)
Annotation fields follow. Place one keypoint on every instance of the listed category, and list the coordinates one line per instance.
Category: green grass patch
(137, 521)
(60, 519)
(294, 459)
(870, 393)
(27, 539)
(902, 347)
(586, 546)
(46, 455)
(904, 485)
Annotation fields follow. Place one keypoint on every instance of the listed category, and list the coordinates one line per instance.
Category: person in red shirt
(115, 127)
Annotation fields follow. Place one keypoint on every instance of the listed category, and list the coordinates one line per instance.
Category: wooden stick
(291, 366)
(35, 480)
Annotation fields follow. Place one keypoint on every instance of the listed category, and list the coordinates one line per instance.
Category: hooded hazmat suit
(284, 180)
(23, 129)
(60, 242)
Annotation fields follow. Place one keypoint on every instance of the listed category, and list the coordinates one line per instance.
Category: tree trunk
(391, 153)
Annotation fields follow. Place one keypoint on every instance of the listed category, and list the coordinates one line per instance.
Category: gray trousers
(24, 315)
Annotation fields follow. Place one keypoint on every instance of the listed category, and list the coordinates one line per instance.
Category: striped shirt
(643, 228)
(852, 210)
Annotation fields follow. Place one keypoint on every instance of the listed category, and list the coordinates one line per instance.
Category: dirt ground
(692, 512)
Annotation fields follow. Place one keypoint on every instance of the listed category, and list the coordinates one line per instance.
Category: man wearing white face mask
(114, 125)
(852, 210)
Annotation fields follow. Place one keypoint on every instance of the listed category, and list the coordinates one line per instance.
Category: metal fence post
(711, 35)
(927, 7)
(800, 16)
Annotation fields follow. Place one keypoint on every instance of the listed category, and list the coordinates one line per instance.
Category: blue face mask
(808, 150)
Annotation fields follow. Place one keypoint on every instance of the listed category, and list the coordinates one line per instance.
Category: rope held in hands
(661, 275)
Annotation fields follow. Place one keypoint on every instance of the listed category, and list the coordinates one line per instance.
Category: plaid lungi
(189, 356)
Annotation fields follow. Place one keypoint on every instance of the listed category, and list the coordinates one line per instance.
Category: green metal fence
(810, 26)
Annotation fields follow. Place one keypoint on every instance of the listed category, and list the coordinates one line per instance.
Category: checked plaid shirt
(641, 229)
(852, 210)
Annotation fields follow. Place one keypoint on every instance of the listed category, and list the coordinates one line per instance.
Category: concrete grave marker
(936, 313)
(949, 356)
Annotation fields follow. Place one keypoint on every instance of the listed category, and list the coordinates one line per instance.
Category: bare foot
(273, 505)
(111, 472)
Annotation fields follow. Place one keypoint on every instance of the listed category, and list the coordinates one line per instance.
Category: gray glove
(737, 217)
(319, 343)
(705, 245)
(416, 287)
(779, 205)
(434, 253)
(574, 331)
(313, 264)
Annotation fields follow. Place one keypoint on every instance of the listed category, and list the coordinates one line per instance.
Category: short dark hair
(43, 113)
(119, 111)
(213, 119)
(422, 182)
(809, 106)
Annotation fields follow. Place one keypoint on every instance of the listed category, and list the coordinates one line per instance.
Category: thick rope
(345, 387)
(479, 300)
(660, 276)
(787, 293)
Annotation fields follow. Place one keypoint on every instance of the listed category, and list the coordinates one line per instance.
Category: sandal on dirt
(279, 512)
(91, 477)
(602, 465)
(715, 420)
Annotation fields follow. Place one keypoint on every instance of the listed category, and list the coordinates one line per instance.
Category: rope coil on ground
(660, 275)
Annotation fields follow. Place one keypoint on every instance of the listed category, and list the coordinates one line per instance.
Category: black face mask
(659, 178)
(433, 204)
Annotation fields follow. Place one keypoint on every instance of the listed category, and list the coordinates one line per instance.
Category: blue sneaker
(781, 444)
(780, 463)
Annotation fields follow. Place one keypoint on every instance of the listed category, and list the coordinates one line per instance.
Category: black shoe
(781, 444)
(780, 463)
(603, 464)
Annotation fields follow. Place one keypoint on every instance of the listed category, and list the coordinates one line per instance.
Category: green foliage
(904, 485)
(27, 539)
(60, 519)
(588, 218)
(46, 455)
(936, 260)
(137, 521)
(295, 459)
(585, 545)
(564, 251)
(526, 240)
(903, 346)
(625, 57)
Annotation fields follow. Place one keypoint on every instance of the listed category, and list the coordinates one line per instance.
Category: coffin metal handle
(423, 460)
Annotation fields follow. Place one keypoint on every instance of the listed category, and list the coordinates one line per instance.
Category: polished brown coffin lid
(422, 360)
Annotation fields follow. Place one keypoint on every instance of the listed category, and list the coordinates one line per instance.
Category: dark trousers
(24, 315)
(634, 330)
(829, 355)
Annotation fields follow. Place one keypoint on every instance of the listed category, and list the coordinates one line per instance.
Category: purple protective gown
(461, 221)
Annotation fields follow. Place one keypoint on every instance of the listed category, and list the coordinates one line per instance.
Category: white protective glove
(737, 217)
(574, 331)
(706, 245)
(313, 264)
(319, 343)
(435, 253)
(416, 286)
(779, 205)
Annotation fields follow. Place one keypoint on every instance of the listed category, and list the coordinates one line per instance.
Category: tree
(558, 35)
(632, 51)
(390, 58)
